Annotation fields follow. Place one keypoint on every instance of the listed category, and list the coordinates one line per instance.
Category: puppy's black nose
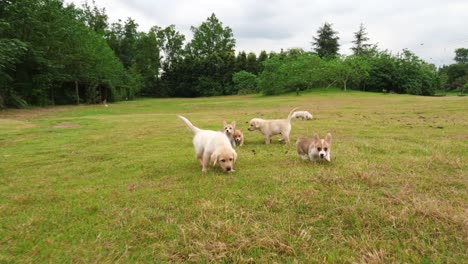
(321, 155)
(228, 168)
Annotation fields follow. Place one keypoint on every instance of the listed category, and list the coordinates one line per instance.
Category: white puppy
(212, 147)
(302, 115)
(273, 127)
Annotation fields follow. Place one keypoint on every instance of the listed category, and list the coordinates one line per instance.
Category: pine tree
(326, 44)
(360, 45)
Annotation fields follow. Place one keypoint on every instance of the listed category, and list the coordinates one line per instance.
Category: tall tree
(261, 58)
(212, 51)
(326, 42)
(252, 64)
(461, 56)
(128, 43)
(241, 61)
(147, 59)
(95, 18)
(210, 37)
(360, 38)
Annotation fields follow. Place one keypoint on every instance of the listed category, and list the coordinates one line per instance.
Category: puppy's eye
(223, 160)
(230, 159)
(319, 149)
(326, 149)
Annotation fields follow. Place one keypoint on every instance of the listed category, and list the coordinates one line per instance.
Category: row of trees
(56, 54)
(49, 56)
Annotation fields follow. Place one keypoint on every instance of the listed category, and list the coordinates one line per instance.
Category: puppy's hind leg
(205, 162)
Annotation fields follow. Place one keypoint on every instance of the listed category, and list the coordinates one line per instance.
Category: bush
(244, 82)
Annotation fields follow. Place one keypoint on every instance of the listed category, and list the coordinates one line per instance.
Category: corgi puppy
(315, 148)
(229, 130)
(238, 137)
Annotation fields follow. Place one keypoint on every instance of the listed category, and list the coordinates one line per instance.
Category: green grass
(121, 184)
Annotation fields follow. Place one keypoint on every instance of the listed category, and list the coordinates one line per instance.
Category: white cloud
(432, 29)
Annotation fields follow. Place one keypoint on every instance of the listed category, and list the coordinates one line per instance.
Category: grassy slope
(121, 184)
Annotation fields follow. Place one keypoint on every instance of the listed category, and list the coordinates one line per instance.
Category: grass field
(89, 184)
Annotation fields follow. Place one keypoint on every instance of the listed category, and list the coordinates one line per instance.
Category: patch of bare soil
(463, 136)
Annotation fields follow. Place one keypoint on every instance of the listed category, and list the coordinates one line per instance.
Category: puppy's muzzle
(322, 155)
(228, 168)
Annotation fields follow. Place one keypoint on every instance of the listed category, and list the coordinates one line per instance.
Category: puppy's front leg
(267, 139)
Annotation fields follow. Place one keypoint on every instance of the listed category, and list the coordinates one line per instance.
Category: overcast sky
(432, 29)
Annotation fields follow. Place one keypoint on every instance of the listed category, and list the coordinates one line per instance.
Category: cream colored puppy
(273, 127)
(212, 147)
(302, 115)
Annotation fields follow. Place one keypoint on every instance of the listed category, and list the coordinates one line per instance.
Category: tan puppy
(212, 147)
(238, 137)
(302, 115)
(273, 127)
(314, 148)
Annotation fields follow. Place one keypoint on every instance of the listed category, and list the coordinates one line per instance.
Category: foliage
(326, 43)
(360, 38)
(461, 56)
(56, 54)
(290, 73)
(60, 55)
(244, 82)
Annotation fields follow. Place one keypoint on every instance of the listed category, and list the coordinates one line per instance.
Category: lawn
(93, 184)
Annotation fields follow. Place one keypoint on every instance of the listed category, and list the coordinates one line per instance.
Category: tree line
(56, 54)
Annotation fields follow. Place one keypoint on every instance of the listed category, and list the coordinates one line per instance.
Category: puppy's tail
(291, 113)
(194, 129)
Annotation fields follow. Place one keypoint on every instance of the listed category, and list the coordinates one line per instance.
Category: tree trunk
(77, 92)
(344, 85)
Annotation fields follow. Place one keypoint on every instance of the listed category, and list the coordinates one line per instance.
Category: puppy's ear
(316, 137)
(328, 139)
(214, 158)
(233, 124)
(224, 123)
(235, 157)
(257, 124)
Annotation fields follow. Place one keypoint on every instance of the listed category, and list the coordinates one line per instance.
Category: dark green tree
(212, 52)
(241, 61)
(360, 41)
(261, 58)
(461, 56)
(252, 63)
(326, 43)
(95, 18)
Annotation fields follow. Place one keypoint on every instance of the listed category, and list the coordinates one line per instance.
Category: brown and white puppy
(229, 130)
(314, 148)
(302, 115)
(272, 127)
(238, 137)
(212, 147)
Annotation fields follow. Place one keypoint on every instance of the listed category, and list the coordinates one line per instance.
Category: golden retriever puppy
(212, 147)
(272, 127)
(302, 115)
